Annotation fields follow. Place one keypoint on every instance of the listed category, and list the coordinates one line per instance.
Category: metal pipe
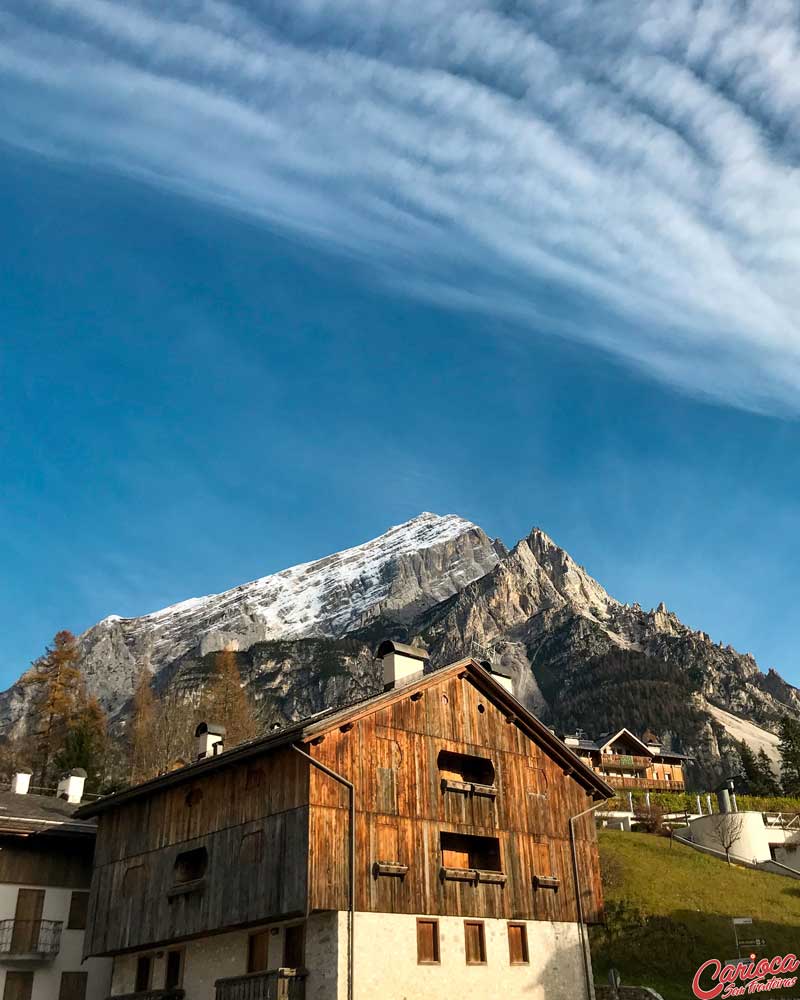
(587, 968)
(351, 902)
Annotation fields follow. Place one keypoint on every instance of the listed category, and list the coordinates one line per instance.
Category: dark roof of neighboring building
(603, 739)
(308, 729)
(23, 815)
(390, 646)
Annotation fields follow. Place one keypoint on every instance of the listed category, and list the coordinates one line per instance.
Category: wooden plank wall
(401, 809)
(47, 861)
(252, 819)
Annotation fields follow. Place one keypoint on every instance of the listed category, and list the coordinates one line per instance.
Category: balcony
(625, 761)
(29, 940)
(277, 984)
(644, 784)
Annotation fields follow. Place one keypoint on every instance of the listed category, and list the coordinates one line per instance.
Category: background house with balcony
(630, 763)
(416, 844)
(45, 874)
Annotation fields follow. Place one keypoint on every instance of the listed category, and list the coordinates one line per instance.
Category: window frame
(294, 928)
(251, 939)
(184, 871)
(481, 942)
(181, 953)
(526, 955)
(433, 922)
(149, 985)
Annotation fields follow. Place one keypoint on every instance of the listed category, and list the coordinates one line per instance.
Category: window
(252, 847)
(258, 952)
(465, 768)
(173, 973)
(293, 951)
(475, 942)
(465, 851)
(144, 973)
(73, 986)
(427, 942)
(19, 986)
(191, 865)
(518, 944)
(78, 908)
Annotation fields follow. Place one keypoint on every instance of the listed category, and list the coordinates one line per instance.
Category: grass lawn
(669, 908)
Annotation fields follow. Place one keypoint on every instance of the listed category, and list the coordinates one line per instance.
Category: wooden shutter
(144, 969)
(173, 976)
(258, 952)
(19, 986)
(518, 944)
(78, 909)
(73, 986)
(27, 921)
(293, 946)
(427, 942)
(475, 942)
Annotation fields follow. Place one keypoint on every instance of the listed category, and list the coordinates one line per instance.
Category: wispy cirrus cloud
(622, 174)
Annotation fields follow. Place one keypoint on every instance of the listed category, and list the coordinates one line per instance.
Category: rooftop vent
(209, 740)
(70, 787)
(400, 662)
(22, 781)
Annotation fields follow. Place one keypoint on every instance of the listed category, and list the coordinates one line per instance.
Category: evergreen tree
(790, 756)
(769, 782)
(86, 744)
(226, 702)
(57, 685)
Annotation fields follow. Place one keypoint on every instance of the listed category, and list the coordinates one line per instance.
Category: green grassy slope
(669, 908)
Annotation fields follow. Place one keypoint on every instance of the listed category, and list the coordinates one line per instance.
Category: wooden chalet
(417, 844)
(627, 762)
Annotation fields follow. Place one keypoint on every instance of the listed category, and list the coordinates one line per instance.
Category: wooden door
(73, 986)
(27, 921)
(19, 986)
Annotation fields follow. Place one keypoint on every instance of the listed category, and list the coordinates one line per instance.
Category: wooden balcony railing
(644, 784)
(277, 984)
(30, 938)
(624, 760)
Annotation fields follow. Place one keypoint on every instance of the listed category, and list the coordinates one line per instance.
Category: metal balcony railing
(30, 938)
(277, 984)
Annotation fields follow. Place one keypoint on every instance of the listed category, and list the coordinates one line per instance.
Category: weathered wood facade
(462, 808)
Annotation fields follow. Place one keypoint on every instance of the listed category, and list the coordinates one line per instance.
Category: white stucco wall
(386, 961)
(47, 975)
(752, 844)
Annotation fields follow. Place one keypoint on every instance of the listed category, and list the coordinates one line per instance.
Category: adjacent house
(627, 762)
(432, 841)
(45, 874)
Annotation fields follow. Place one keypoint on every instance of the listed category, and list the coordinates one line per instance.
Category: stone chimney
(209, 740)
(71, 786)
(401, 663)
(22, 781)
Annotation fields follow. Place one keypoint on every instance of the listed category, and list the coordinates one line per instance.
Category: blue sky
(276, 277)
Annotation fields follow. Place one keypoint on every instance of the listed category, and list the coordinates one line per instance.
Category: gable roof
(626, 732)
(23, 815)
(323, 722)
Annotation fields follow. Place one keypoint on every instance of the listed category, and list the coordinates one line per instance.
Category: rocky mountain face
(305, 639)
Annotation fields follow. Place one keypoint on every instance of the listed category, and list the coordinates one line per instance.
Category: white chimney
(22, 782)
(71, 786)
(209, 740)
(500, 674)
(400, 662)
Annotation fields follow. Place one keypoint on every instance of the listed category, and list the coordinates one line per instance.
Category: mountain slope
(305, 639)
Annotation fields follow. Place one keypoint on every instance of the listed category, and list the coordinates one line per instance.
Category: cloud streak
(624, 175)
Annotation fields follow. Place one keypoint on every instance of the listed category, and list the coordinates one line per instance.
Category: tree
(141, 729)
(789, 747)
(226, 702)
(757, 770)
(725, 830)
(86, 744)
(57, 689)
(161, 730)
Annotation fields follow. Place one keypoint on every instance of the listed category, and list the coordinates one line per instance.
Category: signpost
(755, 942)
